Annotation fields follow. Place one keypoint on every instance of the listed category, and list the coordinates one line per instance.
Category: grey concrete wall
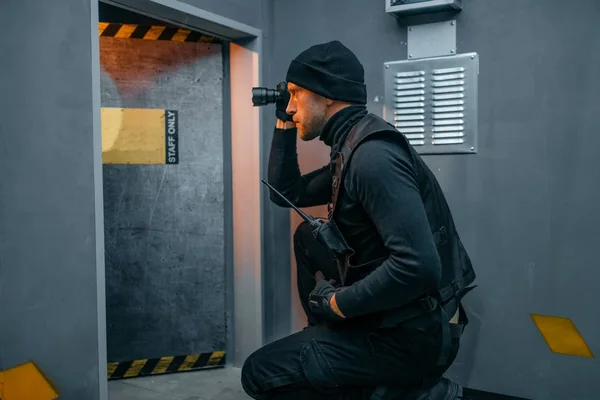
(249, 12)
(165, 223)
(51, 311)
(525, 205)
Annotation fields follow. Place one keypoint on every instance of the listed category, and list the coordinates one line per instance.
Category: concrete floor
(216, 384)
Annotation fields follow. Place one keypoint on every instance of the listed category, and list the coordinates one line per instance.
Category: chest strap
(364, 128)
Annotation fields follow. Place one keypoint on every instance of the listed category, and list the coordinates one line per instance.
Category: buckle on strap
(418, 307)
(428, 303)
(456, 330)
(451, 331)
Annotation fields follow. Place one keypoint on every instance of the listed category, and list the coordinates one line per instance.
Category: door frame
(242, 159)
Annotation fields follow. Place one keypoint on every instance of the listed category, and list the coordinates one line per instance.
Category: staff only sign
(172, 137)
(140, 136)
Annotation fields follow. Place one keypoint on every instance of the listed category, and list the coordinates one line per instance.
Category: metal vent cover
(433, 102)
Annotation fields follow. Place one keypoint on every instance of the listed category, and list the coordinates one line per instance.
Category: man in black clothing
(392, 328)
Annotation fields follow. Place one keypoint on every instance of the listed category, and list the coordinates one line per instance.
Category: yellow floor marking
(162, 365)
(215, 358)
(112, 367)
(25, 382)
(189, 362)
(135, 368)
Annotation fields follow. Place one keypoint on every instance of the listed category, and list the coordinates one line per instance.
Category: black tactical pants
(346, 360)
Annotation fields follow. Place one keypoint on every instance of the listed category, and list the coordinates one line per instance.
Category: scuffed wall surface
(164, 223)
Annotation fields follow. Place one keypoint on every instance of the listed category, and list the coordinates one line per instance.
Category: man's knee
(271, 369)
(250, 380)
(302, 235)
(311, 256)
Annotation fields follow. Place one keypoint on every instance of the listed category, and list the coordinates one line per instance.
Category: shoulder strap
(365, 127)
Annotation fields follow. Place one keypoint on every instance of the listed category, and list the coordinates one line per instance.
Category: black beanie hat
(330, 70)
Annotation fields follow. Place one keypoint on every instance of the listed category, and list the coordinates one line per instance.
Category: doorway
(162, 131)
(182, 254)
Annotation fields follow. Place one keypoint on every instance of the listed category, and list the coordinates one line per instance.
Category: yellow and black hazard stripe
(148, 32)
(165, 365)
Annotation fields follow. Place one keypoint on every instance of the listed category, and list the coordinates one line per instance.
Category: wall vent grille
(433, 102)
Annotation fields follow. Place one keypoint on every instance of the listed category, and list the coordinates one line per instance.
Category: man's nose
(291, 108)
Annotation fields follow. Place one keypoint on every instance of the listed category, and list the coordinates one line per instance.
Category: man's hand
(322, 299)
(281, 105)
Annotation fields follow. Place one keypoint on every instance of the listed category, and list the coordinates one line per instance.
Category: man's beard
(313, 128)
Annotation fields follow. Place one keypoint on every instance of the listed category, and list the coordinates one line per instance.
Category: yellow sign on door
(139, 136)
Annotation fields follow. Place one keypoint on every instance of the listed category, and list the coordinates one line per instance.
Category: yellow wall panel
(561, 335)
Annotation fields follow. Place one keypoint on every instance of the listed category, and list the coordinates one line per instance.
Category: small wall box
(412, 7)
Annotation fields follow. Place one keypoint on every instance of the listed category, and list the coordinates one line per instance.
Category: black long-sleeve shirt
(312, 189)
(385, 214)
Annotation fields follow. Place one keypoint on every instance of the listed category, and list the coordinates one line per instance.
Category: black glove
(281, 104)
(319, 298)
